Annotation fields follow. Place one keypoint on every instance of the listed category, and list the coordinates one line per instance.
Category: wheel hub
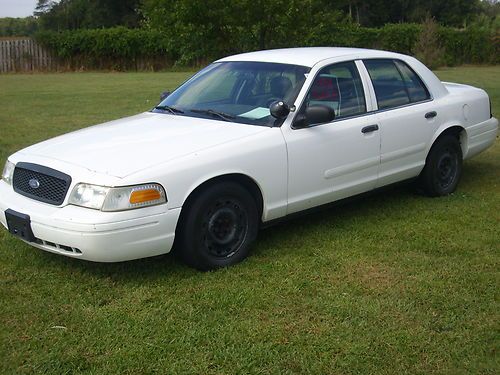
(447, 169)
(222, 226)
(226, 225)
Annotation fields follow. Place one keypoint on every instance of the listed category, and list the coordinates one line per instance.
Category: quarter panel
(466, 107)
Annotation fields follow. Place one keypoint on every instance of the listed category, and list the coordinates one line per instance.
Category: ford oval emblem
(34, 183)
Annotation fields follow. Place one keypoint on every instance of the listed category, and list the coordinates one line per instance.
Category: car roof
(308, 56)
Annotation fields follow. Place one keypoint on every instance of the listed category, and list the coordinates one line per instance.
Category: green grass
(390, 284)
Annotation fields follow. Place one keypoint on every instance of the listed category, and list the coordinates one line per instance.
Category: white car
(249, 139)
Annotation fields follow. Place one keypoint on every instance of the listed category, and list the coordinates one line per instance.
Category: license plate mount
(19, 225)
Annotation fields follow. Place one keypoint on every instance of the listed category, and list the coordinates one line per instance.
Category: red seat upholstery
(324, 89)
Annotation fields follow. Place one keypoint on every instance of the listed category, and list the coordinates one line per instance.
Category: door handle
(369, 129)
(430, 115)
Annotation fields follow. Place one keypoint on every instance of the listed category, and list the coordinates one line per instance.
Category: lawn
(390, 284)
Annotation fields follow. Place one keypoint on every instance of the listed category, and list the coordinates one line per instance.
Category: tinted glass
(388, 83)
(339, 87)
(416, 89)
(241, 91)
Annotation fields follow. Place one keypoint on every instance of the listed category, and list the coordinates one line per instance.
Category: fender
(448, 125)
(229, 174)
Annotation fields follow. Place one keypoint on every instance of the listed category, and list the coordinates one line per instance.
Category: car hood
(122, 147)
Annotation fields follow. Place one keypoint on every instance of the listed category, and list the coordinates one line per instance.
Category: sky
(17, 8)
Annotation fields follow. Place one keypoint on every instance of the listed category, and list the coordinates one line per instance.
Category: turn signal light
(146, 195)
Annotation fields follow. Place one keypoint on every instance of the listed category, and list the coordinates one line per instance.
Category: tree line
(192, 32)
(91, 14)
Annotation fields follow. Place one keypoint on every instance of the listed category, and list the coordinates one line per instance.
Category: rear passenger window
(388, 83)
(395, 83)
(416, 89)
(339, 87)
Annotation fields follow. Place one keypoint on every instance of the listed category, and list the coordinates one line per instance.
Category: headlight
(8, 172)
(90, 196)
(118, 198)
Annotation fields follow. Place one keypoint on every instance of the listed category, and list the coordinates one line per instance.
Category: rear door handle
(430, 115)
(369, 129)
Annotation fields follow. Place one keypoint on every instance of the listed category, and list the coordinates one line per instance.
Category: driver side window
(339, 87)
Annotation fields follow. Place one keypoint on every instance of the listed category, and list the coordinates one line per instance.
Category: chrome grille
(41, 183)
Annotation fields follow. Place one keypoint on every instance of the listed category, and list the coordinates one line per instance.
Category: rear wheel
(217, 227)
(443, 167)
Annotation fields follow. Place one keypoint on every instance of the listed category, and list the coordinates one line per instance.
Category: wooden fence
(24, 55)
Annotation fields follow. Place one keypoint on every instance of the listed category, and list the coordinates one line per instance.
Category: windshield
(236, 91)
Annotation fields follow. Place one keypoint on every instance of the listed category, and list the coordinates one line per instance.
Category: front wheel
(217, 227)
(443, 167)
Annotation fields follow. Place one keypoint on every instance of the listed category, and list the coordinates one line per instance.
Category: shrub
(428, 47)
(121, 48)
(399, 37)
(116, 48)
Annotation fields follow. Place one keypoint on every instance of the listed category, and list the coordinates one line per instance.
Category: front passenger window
(339, 87)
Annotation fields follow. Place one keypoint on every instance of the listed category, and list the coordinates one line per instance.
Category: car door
(331, 161)
(407, 118)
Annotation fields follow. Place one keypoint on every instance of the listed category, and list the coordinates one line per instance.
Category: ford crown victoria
(249, 139)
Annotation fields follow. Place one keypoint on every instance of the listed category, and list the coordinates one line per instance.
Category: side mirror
(314, 114)
(164, 94)
(279, 109)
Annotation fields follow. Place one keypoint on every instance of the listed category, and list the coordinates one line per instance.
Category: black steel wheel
(224, 227)
(443, 167)
(217, 227)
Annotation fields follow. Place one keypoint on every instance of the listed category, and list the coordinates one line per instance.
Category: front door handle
(369, 129)
(430, 115)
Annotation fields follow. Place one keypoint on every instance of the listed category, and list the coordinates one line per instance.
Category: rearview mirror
(314, 115)
(164, 94)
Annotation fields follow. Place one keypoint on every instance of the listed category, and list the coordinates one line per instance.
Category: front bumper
(94, 235)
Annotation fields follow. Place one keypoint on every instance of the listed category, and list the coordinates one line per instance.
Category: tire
(443, 167)
(217, 227)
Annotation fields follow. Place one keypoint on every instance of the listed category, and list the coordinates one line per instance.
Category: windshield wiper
(172, 110)
(221, 115)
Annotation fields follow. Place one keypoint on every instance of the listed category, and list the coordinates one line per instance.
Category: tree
(213, 28)
(18, 26)
(76, 14)
(428, 48)
(43, 7)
